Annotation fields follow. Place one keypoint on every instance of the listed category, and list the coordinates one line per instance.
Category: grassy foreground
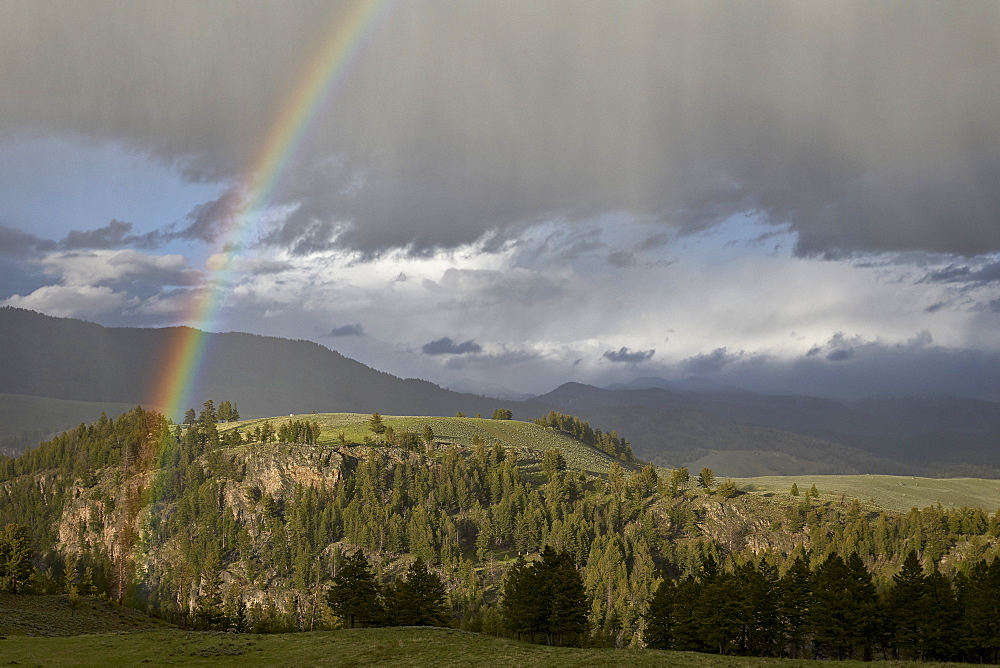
(54, 616)
(359, 647)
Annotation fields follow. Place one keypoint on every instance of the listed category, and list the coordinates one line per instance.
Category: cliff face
(118, 510)
(147, 538)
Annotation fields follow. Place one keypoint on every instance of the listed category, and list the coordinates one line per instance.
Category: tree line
(609, 442)
(834, 610)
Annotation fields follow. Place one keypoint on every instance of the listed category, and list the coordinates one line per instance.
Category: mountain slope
(69, 359)
(903, 435)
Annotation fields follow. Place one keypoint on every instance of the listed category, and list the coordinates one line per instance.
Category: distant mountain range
(63, 358)
(692, 422)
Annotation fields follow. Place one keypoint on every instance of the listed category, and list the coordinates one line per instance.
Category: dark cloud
(914, 367)
(210, 219)
(935, 307)
(445, 346)
(628, 355)
(348, 330)
(709, 363)
(840, 354)
(621, 258)
(115, 234)
(20, 278)
(961, 273)
(858, 126)
(18, 243)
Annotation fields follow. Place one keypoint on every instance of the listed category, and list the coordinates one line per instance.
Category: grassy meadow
(526, 438)
(407, 646)
(899, 493)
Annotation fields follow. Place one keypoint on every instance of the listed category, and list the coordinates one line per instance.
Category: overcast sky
(784, 196)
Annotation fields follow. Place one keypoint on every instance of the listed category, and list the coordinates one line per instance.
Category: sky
(778, 196)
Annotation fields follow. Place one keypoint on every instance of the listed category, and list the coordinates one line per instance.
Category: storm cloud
(445, 346)
(348, 330)
(628, 355)
(512, 192)
(859, 126)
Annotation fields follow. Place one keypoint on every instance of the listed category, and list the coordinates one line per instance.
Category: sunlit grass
(899, 493)
(527, 439)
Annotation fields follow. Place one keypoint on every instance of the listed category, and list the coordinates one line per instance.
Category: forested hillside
(248, 525)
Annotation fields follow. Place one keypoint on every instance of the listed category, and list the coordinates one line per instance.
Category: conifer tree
(647, 480)
(906, 599)
(18, 552)
(660, 620)
(354, 593)
(546, 597)
(706, 479)
(553, 462)
(795, 594)
(418, 599)
(376, 425)
(942, 618)
(679, 479)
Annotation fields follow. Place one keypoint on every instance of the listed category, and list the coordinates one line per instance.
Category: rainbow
(186, 349)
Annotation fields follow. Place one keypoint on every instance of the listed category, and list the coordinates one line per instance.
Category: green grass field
(899, 493)
(527, 438)
(358, 647)
(54, 616)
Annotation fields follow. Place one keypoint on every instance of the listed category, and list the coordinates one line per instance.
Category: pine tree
(419, 598)
(546, 597)
(706, 479)
(553, 462)
(679, 479)
(647, 481)
(354, 593)
(520, 606)
(18, 553)
(942, 619)
(660, 620)
(376, 425)
(827, 618)
(567, 604)
(905, 602)
(795, 601)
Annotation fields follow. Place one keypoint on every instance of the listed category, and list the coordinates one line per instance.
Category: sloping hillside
(61, 358)
(58, 616)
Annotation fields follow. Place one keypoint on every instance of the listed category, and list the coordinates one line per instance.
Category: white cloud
(99, 267)
(75, 301)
